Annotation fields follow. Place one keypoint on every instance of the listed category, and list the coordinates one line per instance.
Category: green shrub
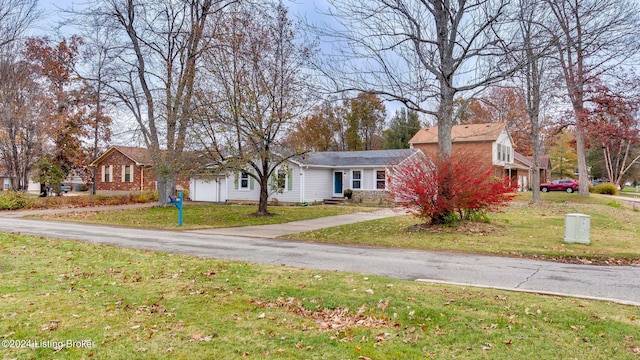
(12, 200)
(606, 188)
(452, 219)
(348, 193)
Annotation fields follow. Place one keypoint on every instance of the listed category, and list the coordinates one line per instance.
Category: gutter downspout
(301, 181)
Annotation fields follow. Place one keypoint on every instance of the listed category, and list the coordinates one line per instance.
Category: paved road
(619, 283)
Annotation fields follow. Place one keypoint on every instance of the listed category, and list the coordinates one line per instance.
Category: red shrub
(450, 190)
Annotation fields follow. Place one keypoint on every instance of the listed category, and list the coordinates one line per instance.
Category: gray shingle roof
(356, 158)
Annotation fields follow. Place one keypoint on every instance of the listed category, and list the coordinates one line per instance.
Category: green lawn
(520, 229)
(196, 216)
(630, 191)
(132, 304)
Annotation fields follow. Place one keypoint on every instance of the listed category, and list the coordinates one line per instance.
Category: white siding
(33, 186)
(369, 180)
(208, 190)
(318, 184)
(505, 141)
(235, 193)
(293, 195)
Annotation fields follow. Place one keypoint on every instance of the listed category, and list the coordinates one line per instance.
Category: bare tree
(161, 45)
(533, 50)
(21, 129)
(100, 44)
(15, 17)
(592, 37)
(421, 53)
(255, 90)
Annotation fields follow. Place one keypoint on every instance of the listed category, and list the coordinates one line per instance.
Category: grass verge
(197, 216)
(139, 304)
(522, 229)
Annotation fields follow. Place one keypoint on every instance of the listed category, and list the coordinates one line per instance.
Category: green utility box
(577, 228)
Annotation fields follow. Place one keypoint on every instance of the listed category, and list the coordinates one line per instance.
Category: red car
(560, 185)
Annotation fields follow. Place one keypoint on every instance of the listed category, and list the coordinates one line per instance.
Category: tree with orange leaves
(54, 62)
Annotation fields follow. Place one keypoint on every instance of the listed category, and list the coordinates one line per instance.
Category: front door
(337, 184)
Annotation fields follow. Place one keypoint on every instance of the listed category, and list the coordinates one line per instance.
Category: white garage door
(208, 190)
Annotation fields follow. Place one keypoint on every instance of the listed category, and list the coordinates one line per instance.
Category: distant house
(492, 143)
(124, 168)
(313, 177)
(5, 183)
(127, 169)
(525, 178)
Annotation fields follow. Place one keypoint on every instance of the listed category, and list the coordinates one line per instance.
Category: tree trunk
(166, 188)
(583, 177)
(534, 119)
(264, 196)
(445, 120)
(445, 150)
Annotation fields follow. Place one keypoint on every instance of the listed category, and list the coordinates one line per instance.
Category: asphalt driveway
(611, 283)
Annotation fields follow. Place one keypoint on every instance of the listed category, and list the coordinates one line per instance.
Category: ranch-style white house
(309, 178)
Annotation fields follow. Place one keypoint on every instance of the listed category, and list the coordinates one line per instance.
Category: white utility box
(577, 228)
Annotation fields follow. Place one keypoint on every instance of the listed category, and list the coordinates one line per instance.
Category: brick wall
(482, 149)
(369, 196)
(143, 178)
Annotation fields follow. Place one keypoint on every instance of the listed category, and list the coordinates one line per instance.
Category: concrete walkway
(275, 230)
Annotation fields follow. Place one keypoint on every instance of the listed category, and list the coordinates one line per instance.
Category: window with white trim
(381, 179)
(244, 180)
(127, 173)
(107, 173)
(7, 184)
(356, 179)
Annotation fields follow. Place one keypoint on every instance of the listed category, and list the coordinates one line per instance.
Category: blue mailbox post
(177, 201)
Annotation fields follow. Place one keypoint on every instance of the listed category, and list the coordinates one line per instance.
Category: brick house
(124, 168)
(525, 179)
(492, 143)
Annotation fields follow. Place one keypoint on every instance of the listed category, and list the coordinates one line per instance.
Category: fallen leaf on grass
(382, 337)
(51, 326)
(327, 319)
